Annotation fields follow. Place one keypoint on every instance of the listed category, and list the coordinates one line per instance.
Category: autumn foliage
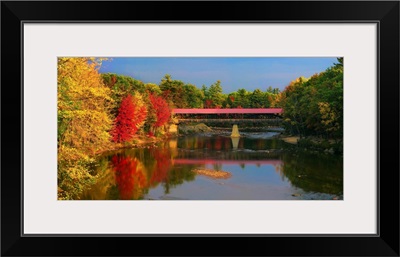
(130, 117)
(124, 128)
(83, 116)
(83, 120)
(161, 109)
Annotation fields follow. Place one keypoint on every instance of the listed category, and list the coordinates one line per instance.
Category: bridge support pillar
(235, 131)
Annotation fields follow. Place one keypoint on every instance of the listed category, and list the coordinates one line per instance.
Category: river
(260, 167)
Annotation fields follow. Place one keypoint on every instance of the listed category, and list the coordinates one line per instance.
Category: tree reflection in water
(132, 174)
(314, 172)
(163, 164)
(130, 177)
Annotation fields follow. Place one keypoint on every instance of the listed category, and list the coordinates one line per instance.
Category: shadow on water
(260, 165)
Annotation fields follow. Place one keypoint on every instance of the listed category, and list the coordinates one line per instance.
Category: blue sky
(233, 72)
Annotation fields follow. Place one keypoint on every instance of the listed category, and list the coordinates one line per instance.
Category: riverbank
(138, 141)
(328, 146)
(195, 128)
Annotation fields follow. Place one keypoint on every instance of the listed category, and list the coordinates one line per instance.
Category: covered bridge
(229, 111)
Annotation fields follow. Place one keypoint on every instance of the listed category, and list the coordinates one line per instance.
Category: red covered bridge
(272, 116)
(229, 111)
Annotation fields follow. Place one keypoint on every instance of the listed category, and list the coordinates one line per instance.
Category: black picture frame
(384, 13)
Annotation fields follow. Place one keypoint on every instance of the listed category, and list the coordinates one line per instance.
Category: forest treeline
(314, 106)
(98, 112)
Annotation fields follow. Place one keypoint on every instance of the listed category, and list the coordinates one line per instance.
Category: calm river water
(261, 168)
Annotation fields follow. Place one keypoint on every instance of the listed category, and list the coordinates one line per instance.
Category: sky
(233, 72)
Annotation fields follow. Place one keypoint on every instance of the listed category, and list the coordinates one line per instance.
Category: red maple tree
(127, 120)
(161, 109)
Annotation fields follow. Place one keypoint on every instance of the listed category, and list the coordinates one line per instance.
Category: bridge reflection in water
(228, 162)
(225, 150)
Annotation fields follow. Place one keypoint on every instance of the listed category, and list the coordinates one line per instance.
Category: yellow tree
(83, 116)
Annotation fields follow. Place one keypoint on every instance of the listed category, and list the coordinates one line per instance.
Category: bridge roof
(226, 111)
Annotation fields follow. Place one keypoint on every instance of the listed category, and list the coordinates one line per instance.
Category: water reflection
(260, 168)
(235, 142)
(130, 177)
(314, 173)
